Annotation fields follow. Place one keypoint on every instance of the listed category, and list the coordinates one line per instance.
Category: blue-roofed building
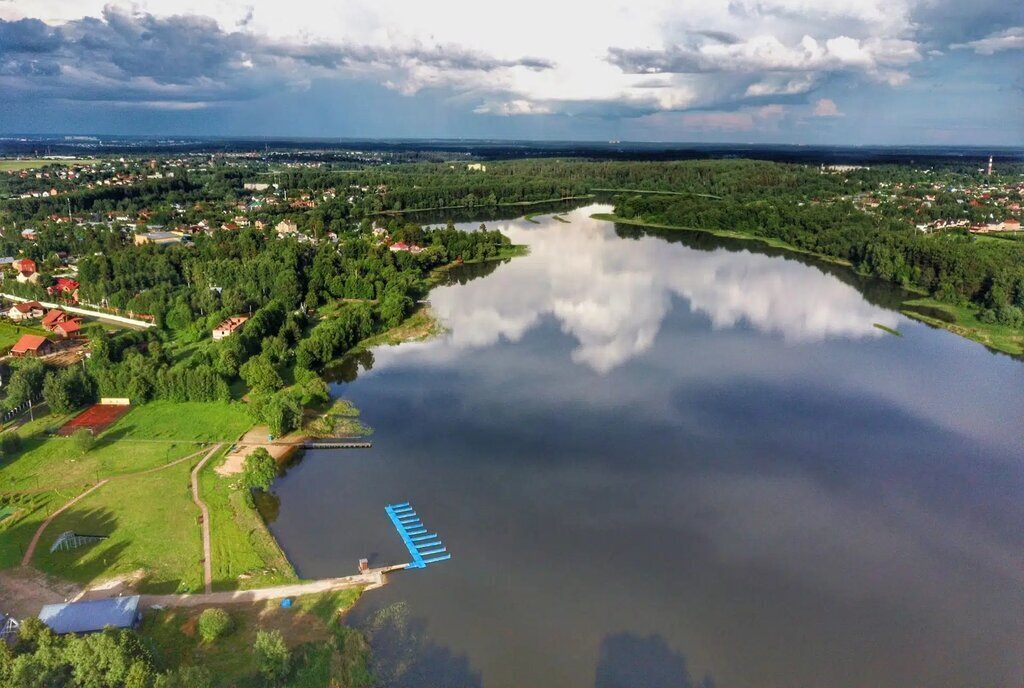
(94, 615)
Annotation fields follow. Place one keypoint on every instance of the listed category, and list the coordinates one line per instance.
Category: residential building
(229, 327)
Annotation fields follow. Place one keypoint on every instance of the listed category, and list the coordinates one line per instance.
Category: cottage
(53, 318)
(228, 327)
(91, 616)
(28, 310)
(286, 228)
(69, 329)
(64, 287)
(32, 345)
(399, 246)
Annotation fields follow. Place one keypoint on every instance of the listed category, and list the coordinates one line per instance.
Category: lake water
(670, 460)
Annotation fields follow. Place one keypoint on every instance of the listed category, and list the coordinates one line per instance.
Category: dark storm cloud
(137, 56)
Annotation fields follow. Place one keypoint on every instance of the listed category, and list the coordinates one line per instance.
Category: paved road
(207, 552)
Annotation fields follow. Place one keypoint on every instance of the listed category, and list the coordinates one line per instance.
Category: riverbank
(511, 204)
(960, 320)
(725, 233)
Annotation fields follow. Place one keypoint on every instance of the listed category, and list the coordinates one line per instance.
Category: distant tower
(990, 165)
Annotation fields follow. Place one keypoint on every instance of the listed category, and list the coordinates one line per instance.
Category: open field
(192, 421)
(29, 511)
(326, 652)
(8, 165)
(152, 527)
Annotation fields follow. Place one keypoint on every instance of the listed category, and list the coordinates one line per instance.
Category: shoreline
(995, 338)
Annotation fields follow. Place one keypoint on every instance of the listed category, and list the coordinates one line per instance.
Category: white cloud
(825, 107)
(761, 49)
(1008, 39)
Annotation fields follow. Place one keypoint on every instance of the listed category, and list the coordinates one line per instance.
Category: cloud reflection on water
(611, 296)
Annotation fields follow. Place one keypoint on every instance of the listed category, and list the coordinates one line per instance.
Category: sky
(757, 71)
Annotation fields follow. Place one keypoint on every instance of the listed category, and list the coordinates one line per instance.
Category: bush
(214, 623)
(271, 656)
(83, 439)
(10, 444)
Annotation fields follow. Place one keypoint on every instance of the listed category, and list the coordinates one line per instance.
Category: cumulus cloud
(125, 56)
(1007, 39)
(825, 107)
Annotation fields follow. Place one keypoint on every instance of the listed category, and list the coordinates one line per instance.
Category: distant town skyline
(931, 72)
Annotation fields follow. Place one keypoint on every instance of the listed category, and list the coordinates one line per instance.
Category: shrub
(83, 439)
(10, 444)
(214, 623)
(271, 656)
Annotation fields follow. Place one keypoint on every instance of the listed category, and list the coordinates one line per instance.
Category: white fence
(99, 315)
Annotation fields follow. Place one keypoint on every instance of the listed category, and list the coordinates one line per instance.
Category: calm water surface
(660, 461)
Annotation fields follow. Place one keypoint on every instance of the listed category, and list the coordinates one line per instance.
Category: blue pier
(424, 547)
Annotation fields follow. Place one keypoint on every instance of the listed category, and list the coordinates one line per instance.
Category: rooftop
(94, 615)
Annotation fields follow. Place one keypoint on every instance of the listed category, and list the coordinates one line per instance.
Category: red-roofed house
(228, 327)
(53, 318)
(29, 310)
(399, 246)
(32, 345)
(64, 286)
(25, 265)
(69, 329)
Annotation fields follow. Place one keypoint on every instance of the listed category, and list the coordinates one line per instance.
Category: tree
(83, 439)
(214, 623)
(271, 656)
(259, 373)
(10, 444)
(260, 470)
(26, 381)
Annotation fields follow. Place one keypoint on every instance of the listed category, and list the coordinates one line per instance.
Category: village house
(229, 327)
(24, 265)
(28, 310)
(64, 287)
(286, 228)
(55, 317)
(399, 246)
(68, 329)
(32, 345)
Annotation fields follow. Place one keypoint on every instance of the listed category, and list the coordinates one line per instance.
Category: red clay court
(97, 418)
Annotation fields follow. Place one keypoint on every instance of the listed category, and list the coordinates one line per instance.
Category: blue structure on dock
(424, 547)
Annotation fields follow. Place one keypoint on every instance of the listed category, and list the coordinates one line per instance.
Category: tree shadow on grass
(89, 561)
(403, 656)
(627, 660)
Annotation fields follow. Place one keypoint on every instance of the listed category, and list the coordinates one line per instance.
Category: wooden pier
(337, 445)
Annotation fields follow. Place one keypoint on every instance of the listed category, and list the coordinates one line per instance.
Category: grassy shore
(729, 234)
(963, 320)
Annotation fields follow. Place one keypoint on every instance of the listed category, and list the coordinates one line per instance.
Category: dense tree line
(952, 266)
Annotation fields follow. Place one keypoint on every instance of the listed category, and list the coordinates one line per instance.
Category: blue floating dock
(425, 548)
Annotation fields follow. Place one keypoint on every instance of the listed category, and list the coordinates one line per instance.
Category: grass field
(56, 462)
(244, 553)
(963, 320)
(193, 421)
(7, 165)
(29, 511)
(152, 526)
(325, 652)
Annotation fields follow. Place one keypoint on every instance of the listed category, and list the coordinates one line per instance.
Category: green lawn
(245, 555)
(195, 421)
(56, 462)
(324, 651)
(152, 526)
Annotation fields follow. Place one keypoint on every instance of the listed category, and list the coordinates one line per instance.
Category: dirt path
(370, 580)
(207, 550)
(25, 560)
(23, 591)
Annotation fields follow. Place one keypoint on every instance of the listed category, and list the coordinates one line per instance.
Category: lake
(678, 460)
